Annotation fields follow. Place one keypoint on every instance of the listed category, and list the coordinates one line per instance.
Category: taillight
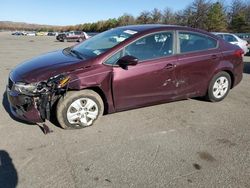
(239, 53)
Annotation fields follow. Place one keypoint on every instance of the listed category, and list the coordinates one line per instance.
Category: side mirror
(126, 61)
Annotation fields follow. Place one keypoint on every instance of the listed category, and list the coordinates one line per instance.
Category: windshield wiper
(78, 54)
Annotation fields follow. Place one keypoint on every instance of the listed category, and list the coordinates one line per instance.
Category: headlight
(60, 80)
(25, 88)
(56, 82)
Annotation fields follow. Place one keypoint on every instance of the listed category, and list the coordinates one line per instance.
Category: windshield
(102, 42)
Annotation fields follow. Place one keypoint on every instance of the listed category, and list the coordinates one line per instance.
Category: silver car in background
(233, 39)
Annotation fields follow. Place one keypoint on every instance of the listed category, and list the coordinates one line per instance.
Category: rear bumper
(246, 50)
(238, 73)
(23, 107)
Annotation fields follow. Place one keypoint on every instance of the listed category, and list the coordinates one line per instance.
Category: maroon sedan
(124, 68)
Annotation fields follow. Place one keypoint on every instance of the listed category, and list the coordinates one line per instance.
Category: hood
(44, 66)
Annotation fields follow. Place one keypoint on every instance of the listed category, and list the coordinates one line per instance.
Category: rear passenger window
(190, 42)
(230, 38)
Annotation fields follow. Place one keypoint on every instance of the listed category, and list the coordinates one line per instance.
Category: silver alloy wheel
(220, 87)
(83, 112)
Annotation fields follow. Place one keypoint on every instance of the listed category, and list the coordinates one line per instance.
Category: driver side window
(152, 46)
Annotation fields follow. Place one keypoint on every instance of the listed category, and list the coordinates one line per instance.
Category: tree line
(202, 14)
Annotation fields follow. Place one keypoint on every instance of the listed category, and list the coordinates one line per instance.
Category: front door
(152, 80)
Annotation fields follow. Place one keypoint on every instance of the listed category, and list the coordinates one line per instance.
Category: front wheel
(219, 87)
(79, 109)
(80, 40)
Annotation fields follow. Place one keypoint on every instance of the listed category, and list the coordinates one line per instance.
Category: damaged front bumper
(36, 107)
(23, 107)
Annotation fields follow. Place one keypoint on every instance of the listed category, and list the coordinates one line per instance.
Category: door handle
(214, 57)
(170, 66)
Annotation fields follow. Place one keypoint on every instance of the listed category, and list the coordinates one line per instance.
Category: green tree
(216, 18)
(238, 17)
(238, 23)
(110, 23)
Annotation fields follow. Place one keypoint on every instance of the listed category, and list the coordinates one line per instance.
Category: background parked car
(52, 34)
(17, 33)
(76, 36)
(234, 39)
(62, 36)
(31, 34)
(41, 33)
(244, 36)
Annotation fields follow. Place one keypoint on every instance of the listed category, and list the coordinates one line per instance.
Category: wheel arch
(100, 92)
(231, 76)
(222, 70)
(228, 70)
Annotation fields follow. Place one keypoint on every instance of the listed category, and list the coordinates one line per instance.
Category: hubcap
(220, 87)
(82, 112)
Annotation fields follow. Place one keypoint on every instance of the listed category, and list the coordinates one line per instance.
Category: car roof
(156, 27)
(147, 27)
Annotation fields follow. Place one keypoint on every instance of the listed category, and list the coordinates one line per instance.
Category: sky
(71, 12)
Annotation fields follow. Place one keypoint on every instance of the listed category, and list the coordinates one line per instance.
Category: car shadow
(246, 68)
(8, 173)
(53, 117)
(6, 106)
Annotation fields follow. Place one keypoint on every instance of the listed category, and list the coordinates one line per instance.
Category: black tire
(61, 39)
(211, 89)
(71, 96)
(80, 40)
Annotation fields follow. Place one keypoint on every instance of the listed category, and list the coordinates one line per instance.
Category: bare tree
(144, 18)
(196, 13)
(237, 6)
(168, 17)
(181, 19)
(156, 16)
(126, 19)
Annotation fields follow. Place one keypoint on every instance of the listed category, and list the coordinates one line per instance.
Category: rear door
(198, 55)
(152, 79)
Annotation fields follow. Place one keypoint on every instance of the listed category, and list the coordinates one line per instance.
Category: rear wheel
(219, 87)
(80, 40)
(79, 109)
